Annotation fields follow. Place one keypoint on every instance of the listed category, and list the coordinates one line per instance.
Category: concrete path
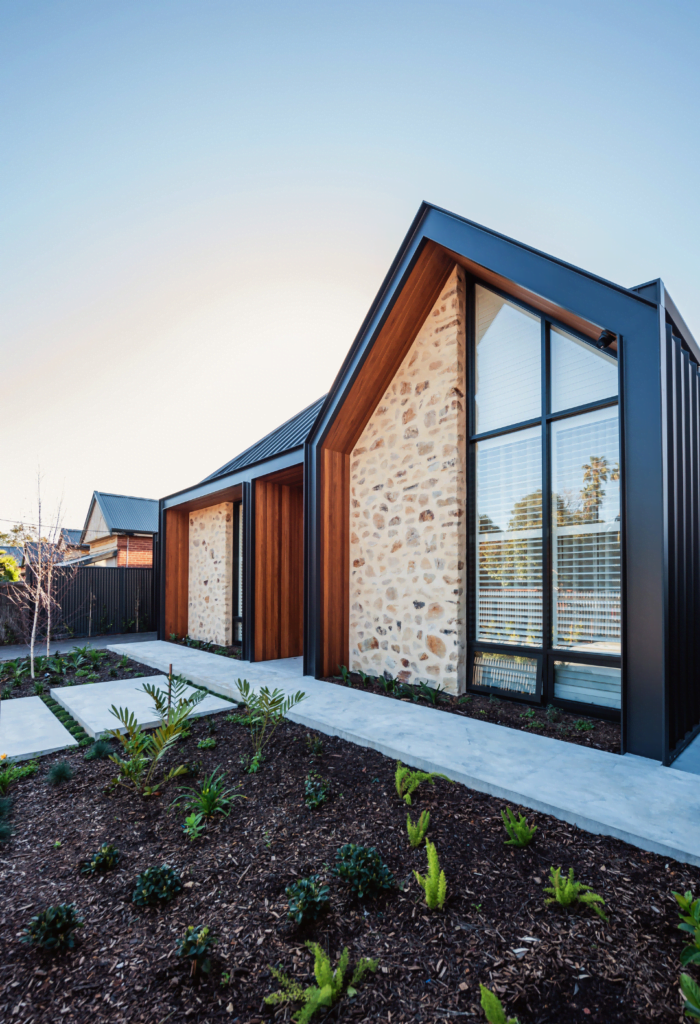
(28, 729)
(90, 703)
(651, 807)
(11, 651)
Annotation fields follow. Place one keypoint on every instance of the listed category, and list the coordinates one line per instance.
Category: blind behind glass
(586, 532)
(508, 364)
(580, 373)
(509, 539)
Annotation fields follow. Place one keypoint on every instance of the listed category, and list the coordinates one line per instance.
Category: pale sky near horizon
(200, 199)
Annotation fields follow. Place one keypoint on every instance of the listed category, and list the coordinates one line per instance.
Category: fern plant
(268, 709)
(519, 832)
(408, 781)
(567, 892)
(330, 984)
(434, 883)
(493, 1008)
(691, 991)
(690, 923)
(417, 831)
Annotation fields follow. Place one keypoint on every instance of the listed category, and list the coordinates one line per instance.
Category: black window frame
(547, 654)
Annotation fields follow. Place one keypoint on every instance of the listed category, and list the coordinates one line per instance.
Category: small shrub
(345, 675)
(363, 869)
(389, 685)
(124, 662)
(106, 859)
(39, 688)
(308, 899)
(567, 892)
(54, 928)
(156, 886)
(85, 741)
(407, 781)
(529, 713)
(196, 946)
(59, 773)
(433, 694)
(314, 744)
(6, 692)
(251, 763)
(113, 672)
(552, 713)
(212, 797)
(14, 772)
(493, 1008)
(193, 827)
(329, 985)
(691, 991)
(99, 750)
(268, 709)
(583, 725)
(5, 827)
(316, 790)
(416, 833)
(690, 923)
(434, 883)
(208, 743)
(519, 832)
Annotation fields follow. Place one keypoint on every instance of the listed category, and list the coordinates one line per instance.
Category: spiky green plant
(691, 991)
(519, 832)
(329, 987)
(211, 798)
(59, 773)
(434, 883)
(690, 923)
(99, 750)
(345, 675)
(416, 833)
(567, 892)
(493, 1008)
(408, 781)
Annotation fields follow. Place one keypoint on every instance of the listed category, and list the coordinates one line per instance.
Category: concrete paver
(90, 703)
(29, 729)
(632, 798)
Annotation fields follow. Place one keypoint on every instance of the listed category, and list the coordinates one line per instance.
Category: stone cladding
(211, 573)
(408, 512)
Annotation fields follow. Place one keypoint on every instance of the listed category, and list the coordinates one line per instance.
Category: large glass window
(505, 672)
(586, 532)
(508, 363)
(509, 538)
(580, 372)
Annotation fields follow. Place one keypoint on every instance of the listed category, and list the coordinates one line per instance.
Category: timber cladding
(279, 565)
(413, 304)
(176, 559)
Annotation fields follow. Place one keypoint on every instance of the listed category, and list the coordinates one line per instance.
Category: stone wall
(211, 574)
(408, 512)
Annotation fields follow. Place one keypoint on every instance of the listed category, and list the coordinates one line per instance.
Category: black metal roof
(123, 513)
(291, 434)
(71, 537)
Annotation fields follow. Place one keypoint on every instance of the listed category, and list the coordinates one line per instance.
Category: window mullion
(546, 516)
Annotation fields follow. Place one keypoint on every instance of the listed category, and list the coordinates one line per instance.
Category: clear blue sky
(200, 199)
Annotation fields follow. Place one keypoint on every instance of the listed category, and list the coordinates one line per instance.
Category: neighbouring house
(69, 544)
(499, 493)
(119, 531)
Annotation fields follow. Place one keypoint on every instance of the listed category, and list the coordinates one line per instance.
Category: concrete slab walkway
(651, 807)
(11, 651)
(28, 729)
(90, 704)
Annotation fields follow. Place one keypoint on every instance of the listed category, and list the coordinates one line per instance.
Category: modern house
(119, 531)
(500, 493)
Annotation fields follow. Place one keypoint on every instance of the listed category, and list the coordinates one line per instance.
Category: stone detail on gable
(408, 512)
(209, 615)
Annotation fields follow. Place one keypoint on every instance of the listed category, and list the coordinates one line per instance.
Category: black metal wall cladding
(682, 702)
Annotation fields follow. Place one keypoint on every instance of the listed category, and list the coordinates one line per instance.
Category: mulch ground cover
(546, 964)
(104, 666)
(554, 722)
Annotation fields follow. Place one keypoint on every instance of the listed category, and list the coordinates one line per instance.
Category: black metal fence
(97, 601)
(683, 546)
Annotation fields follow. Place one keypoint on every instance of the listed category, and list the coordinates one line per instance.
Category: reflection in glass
(508, 363)
(505, 671)
(586, 532)
(580, 373)
(589, 684)
(509, 539)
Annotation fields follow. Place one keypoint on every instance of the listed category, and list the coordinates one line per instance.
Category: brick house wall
(135, 552)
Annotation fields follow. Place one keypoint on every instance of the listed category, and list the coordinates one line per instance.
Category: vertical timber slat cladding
(407, 511)
(176, 557)
(335, 532)
(279, 566)
(210, 587)
(683, 651)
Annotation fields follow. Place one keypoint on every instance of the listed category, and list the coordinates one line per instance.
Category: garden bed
(584, 730)
(229, 651)
(547, 965)
(93, 666)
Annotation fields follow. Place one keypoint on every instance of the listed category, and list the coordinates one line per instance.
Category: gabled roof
(124, 513)
(71, 538)
(290, 435)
